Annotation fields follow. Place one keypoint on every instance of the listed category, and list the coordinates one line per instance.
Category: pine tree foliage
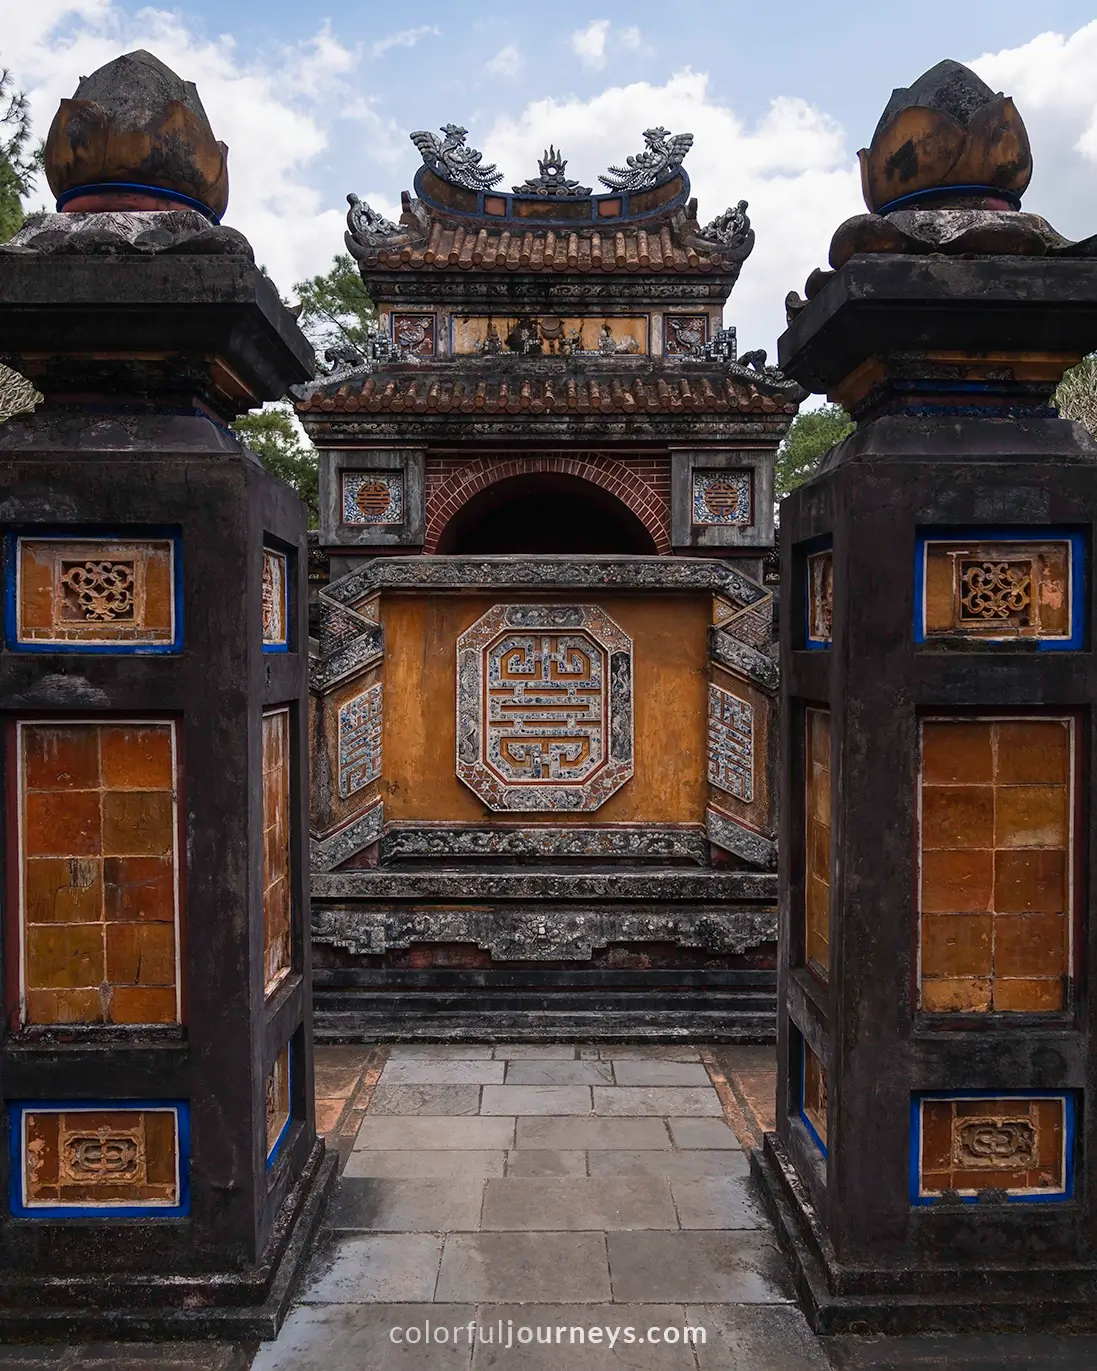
(336, 310)
(274, 438)
(17, 171)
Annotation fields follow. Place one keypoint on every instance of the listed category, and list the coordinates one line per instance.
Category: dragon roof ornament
(364, 221)
(552, 180)
(661, 158)
(449, 158)
(732, 231)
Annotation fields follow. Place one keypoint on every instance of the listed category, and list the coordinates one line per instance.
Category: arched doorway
(545, 512)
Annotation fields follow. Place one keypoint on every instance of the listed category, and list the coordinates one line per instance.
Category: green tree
(274, 439)
(336, 310)
(810, 437)
(17, 166)
(17, 170)
(1076, 397)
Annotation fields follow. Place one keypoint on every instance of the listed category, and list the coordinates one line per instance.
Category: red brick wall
(641, 483)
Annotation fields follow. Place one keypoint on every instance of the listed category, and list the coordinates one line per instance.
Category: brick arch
(634, 493)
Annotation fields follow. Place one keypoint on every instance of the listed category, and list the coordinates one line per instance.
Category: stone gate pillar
(162, 1169)
(936, 1116)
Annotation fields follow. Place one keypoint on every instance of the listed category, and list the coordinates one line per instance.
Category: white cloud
(589, 44)
(273, 117)
(1051, 80)
(631, 38)
(793, 166)
(506, 62)
(406, 38)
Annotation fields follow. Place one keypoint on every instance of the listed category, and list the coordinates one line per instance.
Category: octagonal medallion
(544, 707)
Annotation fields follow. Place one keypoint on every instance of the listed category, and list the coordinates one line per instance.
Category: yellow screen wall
(670, 684)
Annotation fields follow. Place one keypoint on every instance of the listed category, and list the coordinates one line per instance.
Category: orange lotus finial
(947, 139)
(135, 136)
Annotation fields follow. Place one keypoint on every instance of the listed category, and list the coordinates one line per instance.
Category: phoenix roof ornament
(662, 157)
(449, 158)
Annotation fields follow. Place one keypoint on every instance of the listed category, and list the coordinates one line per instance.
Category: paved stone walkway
(545, 1189)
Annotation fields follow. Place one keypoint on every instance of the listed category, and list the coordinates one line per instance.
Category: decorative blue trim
(808, 549)
(272, 1155)
(1051, 1197)
(74, 533)
(1026, 533)
(100, 187)
(819, 1143)
(111, 1210)
(1011, 197)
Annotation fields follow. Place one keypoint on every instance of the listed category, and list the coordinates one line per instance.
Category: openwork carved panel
(813, 1101)
(996, 857)
(277, 886)
(98, 863)
(1019, 1147)
(100, 1159)
(721, 497)
(1000, 589)
(94, 594)
(415, 333)
(278, 1103)
(275, 599)
(544, 707)
(820, 598)
(359, 741)
(731, 743)
(373, 497)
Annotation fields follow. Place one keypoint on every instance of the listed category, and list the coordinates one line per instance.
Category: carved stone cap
(135, 129)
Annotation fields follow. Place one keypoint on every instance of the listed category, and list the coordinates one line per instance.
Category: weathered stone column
(936, 1098)
(163, 1168)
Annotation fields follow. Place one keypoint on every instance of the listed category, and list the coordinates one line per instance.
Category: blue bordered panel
(90, 1147)
(94, 588)
(802, 1109)
(276, 578)
(1066, 638)
(993, 1144)
(283, 1062)
(818, 555)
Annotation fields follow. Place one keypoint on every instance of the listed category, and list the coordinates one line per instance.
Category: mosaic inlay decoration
(103, 1159)
(996, 854)
(544, 707)
(1016, 1146)
(278, 1103)
(98, 872)
(415, 333)
(542, 335)
(999, 589)
(275, 599)
(94, 594)
(820, 598)
(684, 334)
(817, 840)
(813, 1102)
(277, 889)
(359, 741)
(373, 497)
(721, 497)
(731, 743)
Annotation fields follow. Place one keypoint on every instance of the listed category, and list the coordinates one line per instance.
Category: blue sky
(318, 100)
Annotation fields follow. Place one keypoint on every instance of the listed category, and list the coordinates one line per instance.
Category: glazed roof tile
(412, 391)
(545, 250)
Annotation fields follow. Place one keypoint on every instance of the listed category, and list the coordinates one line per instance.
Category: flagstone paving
(550, 1187)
